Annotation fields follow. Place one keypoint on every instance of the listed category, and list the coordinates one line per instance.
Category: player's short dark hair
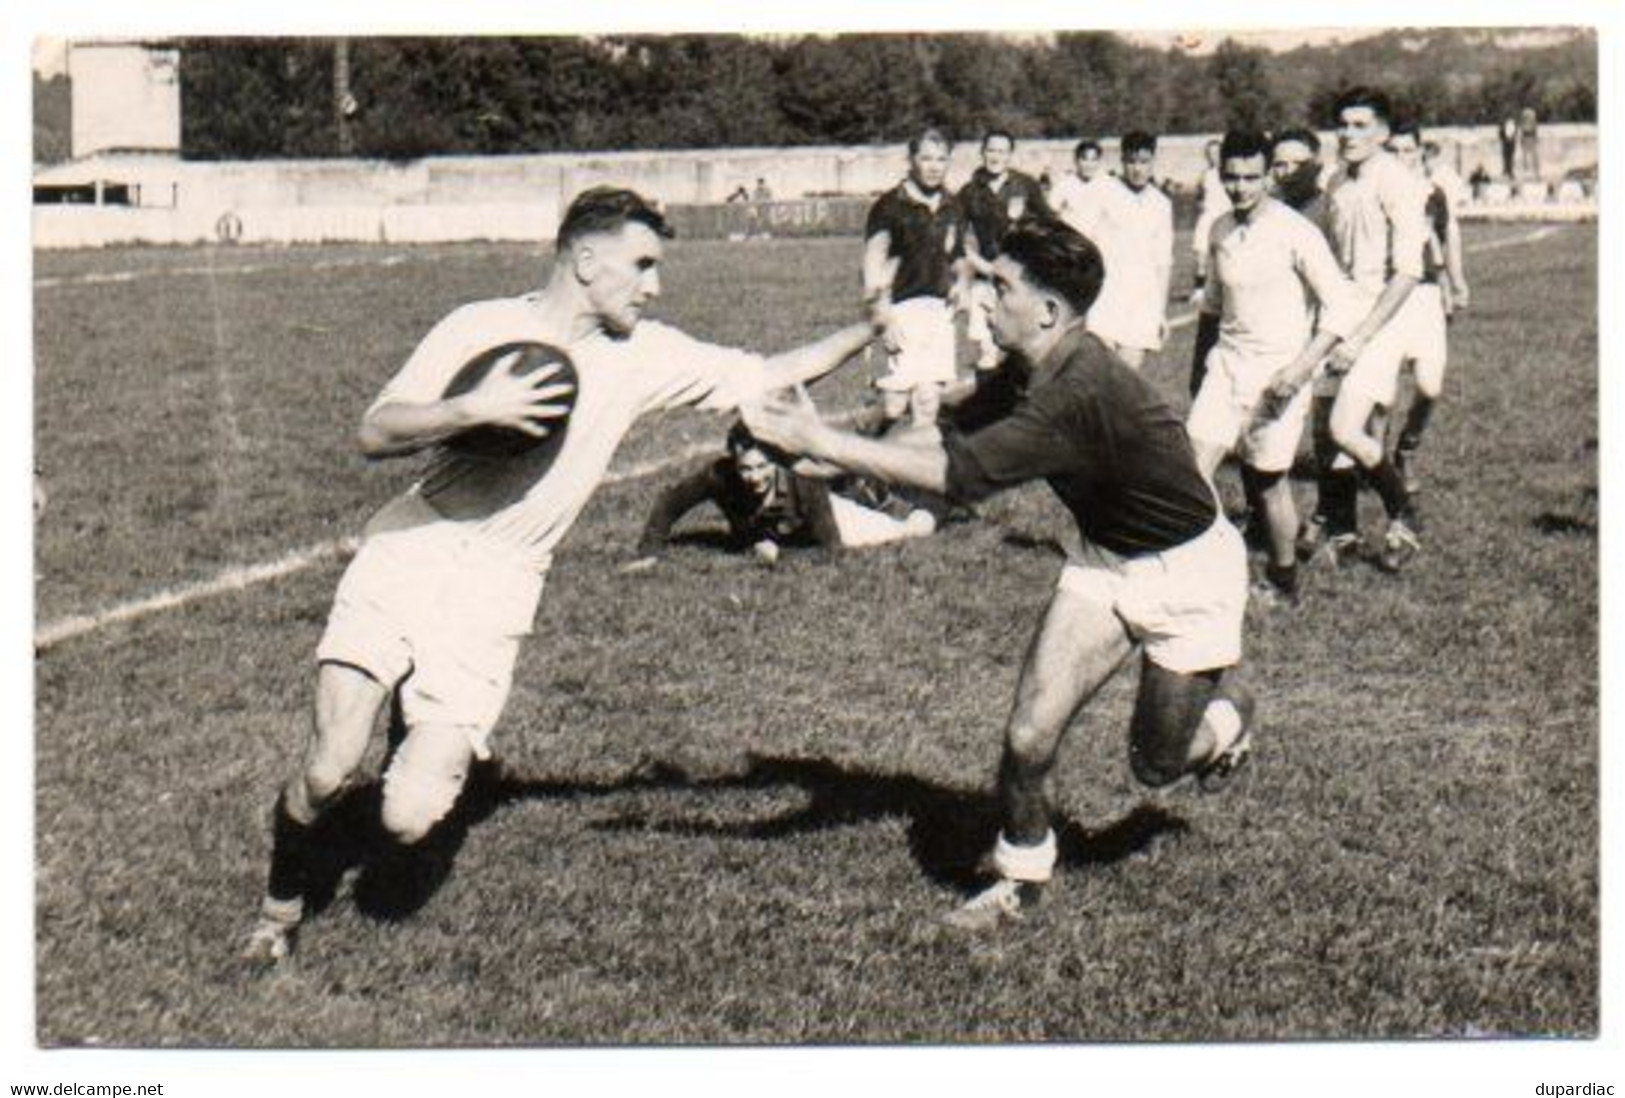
(609, 209)
(1057, 257)
(1301, 134)
(740, 440)
(1138, 141)
(1432, 147)
(1407, 127)
(929, 136)
(991, 134)
(1363, 96)
(1241, 144)
(1088, 144)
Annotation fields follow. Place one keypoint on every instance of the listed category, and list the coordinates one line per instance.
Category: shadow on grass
(949, 829)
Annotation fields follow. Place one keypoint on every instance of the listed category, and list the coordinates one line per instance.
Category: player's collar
(913, 192)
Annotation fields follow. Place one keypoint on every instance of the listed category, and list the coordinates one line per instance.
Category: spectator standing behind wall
(1529, 142)
(1509, 146)
(760, 198)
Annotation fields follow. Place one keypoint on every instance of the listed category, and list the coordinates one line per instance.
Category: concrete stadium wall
(520, 197)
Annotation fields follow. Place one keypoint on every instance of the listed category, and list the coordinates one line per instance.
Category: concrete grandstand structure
(127, 182)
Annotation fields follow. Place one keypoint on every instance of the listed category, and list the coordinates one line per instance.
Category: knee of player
(413, 804)
(1029, 751)
(321, 780)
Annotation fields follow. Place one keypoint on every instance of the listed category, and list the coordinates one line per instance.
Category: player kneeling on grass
(446, 584)
(769, 505)
(1268, 267)
(1158, 565)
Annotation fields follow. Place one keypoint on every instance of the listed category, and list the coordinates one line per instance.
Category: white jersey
(1079, 204)
(1212, 203)
(1379, 221)
(618, 380)
(1136, 239)
(1271, 276)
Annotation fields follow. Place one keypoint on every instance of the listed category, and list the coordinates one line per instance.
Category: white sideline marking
(93, 278)
(242, 577)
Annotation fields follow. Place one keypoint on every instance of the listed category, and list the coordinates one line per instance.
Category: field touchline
(241, 577)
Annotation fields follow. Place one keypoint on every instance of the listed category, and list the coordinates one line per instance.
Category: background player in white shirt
(1136, 238)
(446, 584)
(1271, 276)
(1441, 292)
(1076, 196)
(1380, 231)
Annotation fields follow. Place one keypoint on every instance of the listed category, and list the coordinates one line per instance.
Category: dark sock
(1340, 501)
(1283, 577)
(291, 854)
(1416, 422)
(1390, 486)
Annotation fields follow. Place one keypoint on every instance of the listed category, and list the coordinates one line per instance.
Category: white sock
(1025, 863)
(1224, 720)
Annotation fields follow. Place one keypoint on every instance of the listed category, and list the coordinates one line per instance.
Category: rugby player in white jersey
(1379, 227)
(1272, 276)
(1136, 237)
(434, 607)
(1076, 197)
(1441, 292)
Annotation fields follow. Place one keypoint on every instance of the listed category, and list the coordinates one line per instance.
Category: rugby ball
(519, 359)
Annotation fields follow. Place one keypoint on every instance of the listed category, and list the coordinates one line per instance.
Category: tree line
(409, 97)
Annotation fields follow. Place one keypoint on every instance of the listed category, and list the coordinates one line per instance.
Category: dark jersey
(925, 242)
(1438, 212)
(991, 213)
(1108, 445)
(797, 511)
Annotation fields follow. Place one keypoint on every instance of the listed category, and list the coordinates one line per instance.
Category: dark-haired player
(769, 505)
(1442, 291)
(1136, 238)
(1158, 566)
(997, 197)
(914, 241)
(1380, 232)
(1281, 304)
(432, 610)
(1076, 197)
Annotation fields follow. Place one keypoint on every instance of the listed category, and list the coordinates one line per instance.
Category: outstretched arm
(813, 360)
(910, 458)
(672, 504)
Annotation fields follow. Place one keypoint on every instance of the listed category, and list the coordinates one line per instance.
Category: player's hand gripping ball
(550, 398)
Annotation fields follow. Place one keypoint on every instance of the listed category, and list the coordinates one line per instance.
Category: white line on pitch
(244, 576)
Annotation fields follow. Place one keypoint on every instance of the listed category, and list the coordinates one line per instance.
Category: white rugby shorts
(1375, 374)
(441, 611)
(1185, 604)
(924, 330)
(1429, 349)
(1222, 414)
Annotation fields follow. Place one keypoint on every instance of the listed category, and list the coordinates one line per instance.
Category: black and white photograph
(682, 548)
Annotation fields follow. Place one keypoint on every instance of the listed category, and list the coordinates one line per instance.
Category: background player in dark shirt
(997, 197)
(768, 506)
(914, 241)
(1158, 566)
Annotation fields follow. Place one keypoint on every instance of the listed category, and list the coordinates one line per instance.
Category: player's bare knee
(321, 780)
(1029, 751)
(417, 797)
(412, 808)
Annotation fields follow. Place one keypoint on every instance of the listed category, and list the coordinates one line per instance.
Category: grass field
(733, 801)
